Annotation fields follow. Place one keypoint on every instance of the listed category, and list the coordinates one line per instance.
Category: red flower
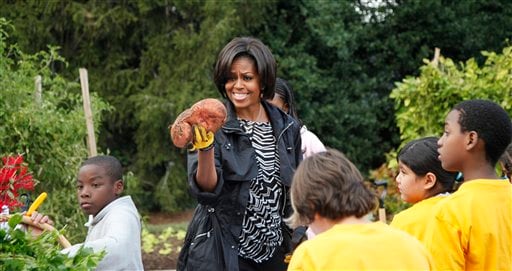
(14, 176)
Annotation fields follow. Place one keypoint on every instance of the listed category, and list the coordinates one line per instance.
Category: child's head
(472, 126)
(506, 163)
(283, 98)
(420, 174)
(99, 182)
(329, 185)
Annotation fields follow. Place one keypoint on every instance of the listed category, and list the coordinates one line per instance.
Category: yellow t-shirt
(415, 219)
(372, 246)
(472, 228)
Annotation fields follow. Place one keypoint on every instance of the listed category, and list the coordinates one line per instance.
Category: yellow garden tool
(36, 204)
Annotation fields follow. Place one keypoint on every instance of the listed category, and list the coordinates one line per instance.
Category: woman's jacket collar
(278, 119)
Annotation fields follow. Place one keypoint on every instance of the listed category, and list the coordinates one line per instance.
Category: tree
(344, 57)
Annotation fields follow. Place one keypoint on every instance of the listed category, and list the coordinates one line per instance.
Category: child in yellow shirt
(471, 229)
(329, 195)
(422, 181)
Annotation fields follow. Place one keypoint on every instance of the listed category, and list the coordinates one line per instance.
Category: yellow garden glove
(201, 139)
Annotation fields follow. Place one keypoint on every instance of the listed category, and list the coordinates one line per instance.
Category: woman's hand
(202, 140)
(209, 114)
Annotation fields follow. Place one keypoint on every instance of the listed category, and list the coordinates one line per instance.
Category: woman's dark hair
(254, 49)
(490, 121)
(421, 157)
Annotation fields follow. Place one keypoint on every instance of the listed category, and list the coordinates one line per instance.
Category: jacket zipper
(283, 208)
(203, 234)
(282, 132)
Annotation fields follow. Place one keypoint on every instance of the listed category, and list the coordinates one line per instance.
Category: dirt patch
(155, 260)
(163, 218)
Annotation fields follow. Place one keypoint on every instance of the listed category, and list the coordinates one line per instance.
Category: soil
(163, 218)
(156, 261)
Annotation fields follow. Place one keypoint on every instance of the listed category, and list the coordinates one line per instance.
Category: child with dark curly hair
(471, 229)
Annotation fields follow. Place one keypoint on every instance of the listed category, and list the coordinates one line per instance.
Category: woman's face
(243, 86)
(410, 185)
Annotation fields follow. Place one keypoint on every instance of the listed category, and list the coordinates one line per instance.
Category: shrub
(20, 251)
(422, 102)
(49, 131)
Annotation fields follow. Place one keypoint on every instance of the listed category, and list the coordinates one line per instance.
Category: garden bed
(165, 239)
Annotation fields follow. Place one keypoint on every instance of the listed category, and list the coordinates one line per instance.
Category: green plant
(157, 237)
(422, 102)
(48, 130)
(19, 251)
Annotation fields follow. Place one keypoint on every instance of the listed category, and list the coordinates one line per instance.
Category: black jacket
(216, 224)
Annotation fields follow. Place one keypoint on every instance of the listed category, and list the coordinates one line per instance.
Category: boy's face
(452, 145)
(95, 189)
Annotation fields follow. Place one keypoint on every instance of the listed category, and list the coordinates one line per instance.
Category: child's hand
(41, 219)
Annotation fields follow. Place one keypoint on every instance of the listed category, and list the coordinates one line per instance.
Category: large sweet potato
(181, 131)
(209, 113)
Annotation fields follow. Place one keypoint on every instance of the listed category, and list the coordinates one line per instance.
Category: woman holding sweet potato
(241, 173)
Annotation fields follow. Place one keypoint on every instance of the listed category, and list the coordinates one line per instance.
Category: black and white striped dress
(261, 228)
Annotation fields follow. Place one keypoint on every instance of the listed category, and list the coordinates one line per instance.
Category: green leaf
(15, 220)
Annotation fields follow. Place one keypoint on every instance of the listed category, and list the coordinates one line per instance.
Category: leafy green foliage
(422, 102)
(21, 251)
(50, 132)
(153, 238)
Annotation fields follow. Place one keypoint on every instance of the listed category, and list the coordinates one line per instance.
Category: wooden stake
(382, 215)
(437, 54)
(91, 138)
(38, 94)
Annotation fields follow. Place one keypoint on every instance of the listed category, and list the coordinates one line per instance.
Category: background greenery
(151, 59)
(49, 132)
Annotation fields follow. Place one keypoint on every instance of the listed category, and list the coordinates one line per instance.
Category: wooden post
(91, 138)
(437, 54)
(382, 215)
(38, 94)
